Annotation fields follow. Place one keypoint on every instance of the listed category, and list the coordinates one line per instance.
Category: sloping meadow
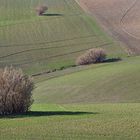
(56, 39)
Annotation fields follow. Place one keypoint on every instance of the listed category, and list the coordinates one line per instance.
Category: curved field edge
(111, 82)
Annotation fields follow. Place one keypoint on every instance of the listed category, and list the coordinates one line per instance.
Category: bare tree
(15, 91)
(41, 9)
(95, 55)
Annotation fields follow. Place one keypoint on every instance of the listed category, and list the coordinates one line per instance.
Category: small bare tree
(95, 55)
(15, 91)
(41, 9)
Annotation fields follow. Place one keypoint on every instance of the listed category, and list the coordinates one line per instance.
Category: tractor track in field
(64, 54)
(47, 42)
(38, 49)
(123, 17)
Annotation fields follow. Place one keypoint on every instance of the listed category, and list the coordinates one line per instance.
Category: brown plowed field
(120, 18)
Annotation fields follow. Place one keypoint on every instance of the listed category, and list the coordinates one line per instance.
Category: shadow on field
(112, 60)
(46, 113)
(52, 15)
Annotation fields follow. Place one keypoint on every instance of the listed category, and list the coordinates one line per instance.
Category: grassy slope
(47, 42)
(108, 82)
(40, 43)
(75, 122)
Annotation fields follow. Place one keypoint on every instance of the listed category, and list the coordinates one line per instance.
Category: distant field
(74, 122)
(108, 82)
(48, 42)
(119, 18)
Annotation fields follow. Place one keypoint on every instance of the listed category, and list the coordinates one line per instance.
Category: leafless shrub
(95, 55)
(41, 9)
(15, 91)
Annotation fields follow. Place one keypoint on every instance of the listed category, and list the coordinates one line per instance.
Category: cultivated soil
(120, 18)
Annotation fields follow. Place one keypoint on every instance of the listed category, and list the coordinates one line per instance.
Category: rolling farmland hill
(99, 101)
(51, 41)
(112, 82)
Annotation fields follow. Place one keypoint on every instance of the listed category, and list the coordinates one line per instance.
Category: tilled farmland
(120, 18)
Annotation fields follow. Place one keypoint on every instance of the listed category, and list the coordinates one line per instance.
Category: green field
(74, 122)
(48, 42)
(108, 82)
(93, 102)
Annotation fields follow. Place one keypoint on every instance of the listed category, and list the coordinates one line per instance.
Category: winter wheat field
(92, 102)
